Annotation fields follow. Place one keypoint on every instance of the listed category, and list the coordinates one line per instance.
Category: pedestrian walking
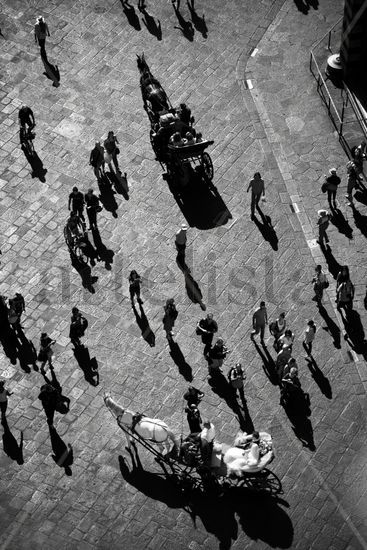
(257, 187)
(96, 160)
(323, 224)
(16, 308)
(359, 155)
(285, 341)
(180, 241)
(277, 327)
(111, 151)
(206, 328)
(352, 181)
(40, 32)
(45, 352)
(49, 398)
(259, 321)
(193, 396)
(26, 117)
(78, 326)
(93, 206)
(170, 316)
(331, 185)
(320, 282)
(134, 287)
(216, 355)
(309, 338)
(193, 418)
(345, 296)
(76, 202)
(4, 394)
(236, 378)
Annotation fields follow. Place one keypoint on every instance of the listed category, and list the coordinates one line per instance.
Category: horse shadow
(121, 184)
(143, 324)
(63, 454)
(198, 22)
(331, 327)
(342, 225)
(179, 359)
(51, 71)
(11, 447)
(131, 15)
(360, 221)
(88, 365)
(268, 364)
(105, 255)
(26, 352)
(320, 379)
(267, 230)
(154, 28)
(333, 265)
(107, 197)
(220, 385)
(85, 273)
(38, 171)
(185, 26)
(355, 335)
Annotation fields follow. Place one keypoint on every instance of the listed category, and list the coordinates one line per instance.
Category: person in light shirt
(207, 436)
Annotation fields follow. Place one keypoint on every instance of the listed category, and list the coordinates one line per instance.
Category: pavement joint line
(254, 52)
(249, 84)
(295, 208)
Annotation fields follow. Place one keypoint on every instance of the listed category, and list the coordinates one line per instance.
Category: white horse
(152, 429)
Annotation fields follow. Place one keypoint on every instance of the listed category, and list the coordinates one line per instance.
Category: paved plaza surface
(278, 127)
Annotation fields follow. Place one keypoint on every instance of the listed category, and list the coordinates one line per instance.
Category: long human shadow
(85, 272)
(267, 230)
(361, 196)
(107, 197)
(63, 454)
(153, 27)
(355, 335)
(131, 15)
(88, 365)
(38, 171)
(342, 225)
(121, 184)
(144, 326)
(105, 254)
(184, 26)
(26, 352)
(268, 364)
(302, 6)
(193, 290)
(320, 379)
(51, 71)
(63, 402)
(11, 447)
(198, 22)
(179, 359)
(333, 265)
(331, 327)
(9, 342)
(360, 221)
(220, 385)
(298, 412)
(200, 203)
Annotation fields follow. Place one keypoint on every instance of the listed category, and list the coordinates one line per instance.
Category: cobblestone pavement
(101, 506)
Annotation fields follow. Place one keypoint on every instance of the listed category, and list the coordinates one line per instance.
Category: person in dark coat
(26, 117)
(76, 202)
(134, 286)
(49, 399)
(96, 160)
(193, 396)
(206, 328)
(93, 206)
(170, 316)
(78, 326)
(193, 418)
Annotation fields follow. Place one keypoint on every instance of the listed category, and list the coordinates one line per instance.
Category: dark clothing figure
(40, 33)
(78, 326)
(236, 377)
(112, 150)
(331, 184)
(4, 394)
(49, 398)
(217, 355)
(93, 206)
(323, 224)
(345, 295)
(76, 202)
(26, 117)
(193, 396)
(96, 160)
(257, 187)
(207, 328)
(45, 352)
(185, 114)
(134, 287)
(17, 306)
(193, 419)
(170, 316)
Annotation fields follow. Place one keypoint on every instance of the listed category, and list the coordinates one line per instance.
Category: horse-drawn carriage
(185, 160)
(242, 464)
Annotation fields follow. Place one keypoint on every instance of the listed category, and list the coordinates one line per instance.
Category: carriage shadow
(104, 254)
(179, 359)
(131, 15)
(63, 454)
(12, 448)
(144, 326)
(152, 27)
(38, 171)
(201, 205)
(88, 365)
(198, 22)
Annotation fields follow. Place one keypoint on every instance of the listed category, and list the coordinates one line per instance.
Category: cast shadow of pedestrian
(154, 28)
(185, 26)
(38, 171)
(179, 359)
(192, 288)
(143, 324)
(331, 327)
(51, 71)
(88, 365)
(320, 379)
(131, 15)
(220, 385)
(9, 342)
(11, 447)
(268, 364)
(333, 265)
(198, 22)
(107, 198)
(360, 221)
(121, 184)
(355, 335)
(361, 196)
(27, 353)
(267, 230)
(337, 218)
(302, 6)
(63, 403)
(63, 454)
(90, 252)
(105, 255)
(298, 412)
(85, 273)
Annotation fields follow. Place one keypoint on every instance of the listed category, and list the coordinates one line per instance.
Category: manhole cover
(100, 9)
(69, 129)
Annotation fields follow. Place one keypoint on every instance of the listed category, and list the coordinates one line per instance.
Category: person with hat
(323, 224)
(180, 241)
(93, 206)
(331, 185)
(236, 377)
(40, 32)
(4, 394)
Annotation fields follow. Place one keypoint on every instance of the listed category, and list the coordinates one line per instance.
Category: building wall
(353, 49)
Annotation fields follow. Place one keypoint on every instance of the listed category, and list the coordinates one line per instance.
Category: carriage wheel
(207, 165)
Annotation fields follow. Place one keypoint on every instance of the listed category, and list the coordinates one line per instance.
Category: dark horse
(151, 89)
